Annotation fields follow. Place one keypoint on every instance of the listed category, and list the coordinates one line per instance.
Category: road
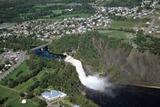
(151, 25)
(11, 89)
(154, 17)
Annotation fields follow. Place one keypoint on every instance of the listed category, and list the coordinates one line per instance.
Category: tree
(22, 94)
(42, 103)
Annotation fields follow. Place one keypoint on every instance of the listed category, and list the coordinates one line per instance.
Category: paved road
(151, 25)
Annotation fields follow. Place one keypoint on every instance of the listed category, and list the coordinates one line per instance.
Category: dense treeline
(10, 3)
(147, 43)
(84, 45)
(22, 10)
(129, 3)
(2, 101)
(85, 8)
(62, 77)
(19, 43)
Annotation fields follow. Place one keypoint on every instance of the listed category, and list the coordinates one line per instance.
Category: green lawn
(115, 33)
(21, 70)
(128, 23)
(23, 87)
(14, 98)
(123, 24)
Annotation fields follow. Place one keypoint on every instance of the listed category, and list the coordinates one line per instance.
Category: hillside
(113, 57)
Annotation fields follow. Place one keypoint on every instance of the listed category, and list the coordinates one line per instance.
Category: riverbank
(140, 84)
(146, 86)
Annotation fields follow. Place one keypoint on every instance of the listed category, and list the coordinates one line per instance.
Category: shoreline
(140, 85)
(146, 86)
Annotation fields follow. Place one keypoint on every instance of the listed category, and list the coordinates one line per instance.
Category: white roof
(52, 95)
(24, 101)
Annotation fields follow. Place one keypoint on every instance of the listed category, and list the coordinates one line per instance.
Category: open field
(128, 24)
(14, 98)
(24, 86)
(115, 33)
(21, 70)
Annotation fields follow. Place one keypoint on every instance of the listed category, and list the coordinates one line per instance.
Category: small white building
(24, 101)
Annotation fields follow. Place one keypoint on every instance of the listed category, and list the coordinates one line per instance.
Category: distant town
(48, 29)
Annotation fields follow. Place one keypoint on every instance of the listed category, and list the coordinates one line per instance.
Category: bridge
(43, 51)
(39, 47)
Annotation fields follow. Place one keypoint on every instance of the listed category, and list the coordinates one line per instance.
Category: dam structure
(91, 81)
(44, 52)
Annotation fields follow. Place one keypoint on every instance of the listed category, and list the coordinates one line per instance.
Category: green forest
(147, 43)
(128, 3)
(20, 10)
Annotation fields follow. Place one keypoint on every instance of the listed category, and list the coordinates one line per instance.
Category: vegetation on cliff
(147, 43)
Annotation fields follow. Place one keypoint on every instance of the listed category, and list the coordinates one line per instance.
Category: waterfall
(92, 81)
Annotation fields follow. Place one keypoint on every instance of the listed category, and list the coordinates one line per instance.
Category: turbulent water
(92, 81)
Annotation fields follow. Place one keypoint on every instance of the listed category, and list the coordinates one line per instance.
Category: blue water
(126, 96)
(44, 52)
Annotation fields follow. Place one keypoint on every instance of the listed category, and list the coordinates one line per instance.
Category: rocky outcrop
(128, 66)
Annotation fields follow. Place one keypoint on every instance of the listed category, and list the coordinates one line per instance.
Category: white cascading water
(92, 82)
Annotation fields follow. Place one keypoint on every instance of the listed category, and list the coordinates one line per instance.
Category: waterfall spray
(92, 82)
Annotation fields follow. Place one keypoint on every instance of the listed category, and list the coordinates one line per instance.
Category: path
(11, 89)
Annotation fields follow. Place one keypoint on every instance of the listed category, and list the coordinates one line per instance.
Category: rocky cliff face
(128, 66)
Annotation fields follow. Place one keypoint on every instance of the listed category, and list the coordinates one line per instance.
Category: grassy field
(115, 33)
(23, 87)
(61, 17)
(21, 70)
(14, 98)
(123, 24)
(128, 23)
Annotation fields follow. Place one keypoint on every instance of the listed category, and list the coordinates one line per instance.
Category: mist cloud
(92, 81)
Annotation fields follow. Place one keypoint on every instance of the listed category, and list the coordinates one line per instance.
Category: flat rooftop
(53, 95)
